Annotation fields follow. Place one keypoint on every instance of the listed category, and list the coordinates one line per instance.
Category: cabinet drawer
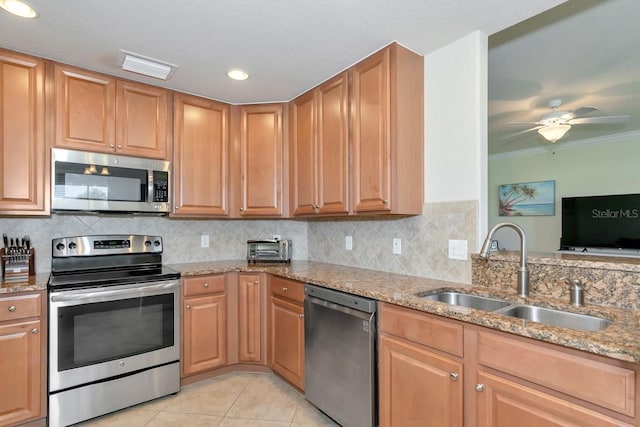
(201, 285)
(605, 385)
(19, 307)
(286, 288)
(422, 328)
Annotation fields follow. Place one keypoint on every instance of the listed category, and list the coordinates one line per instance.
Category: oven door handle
(130, 290)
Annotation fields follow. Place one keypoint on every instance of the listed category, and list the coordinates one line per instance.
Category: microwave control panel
(160, 186)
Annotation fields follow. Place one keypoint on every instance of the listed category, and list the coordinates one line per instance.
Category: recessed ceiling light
(238, 74)
(18, 8)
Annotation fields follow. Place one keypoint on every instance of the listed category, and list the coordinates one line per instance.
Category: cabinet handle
(284, 289)
(385, 201)
(119, 146)
(188, 307)
(255, 282)
(206, 285)
(34, 331)
(241, 209)
(300, 316)
(480, 387)
(112, 146)
(453, 376)
(12, 308)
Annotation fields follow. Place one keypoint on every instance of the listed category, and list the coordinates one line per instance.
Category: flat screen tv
(601, 222)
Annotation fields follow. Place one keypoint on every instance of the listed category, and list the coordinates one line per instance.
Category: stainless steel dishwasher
(340, 355)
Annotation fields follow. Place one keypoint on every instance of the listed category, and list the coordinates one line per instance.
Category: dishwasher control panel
(355, 302)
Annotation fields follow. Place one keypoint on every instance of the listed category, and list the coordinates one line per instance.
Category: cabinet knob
(112, 146)
(300, 316)
(255, 282)
(284, 289)
(34, 331)
(453, 376)
(119, 146)
(206, 285)
(12, 308)
(241, 209)
(188, 307)
(385, 201)
(480, 387)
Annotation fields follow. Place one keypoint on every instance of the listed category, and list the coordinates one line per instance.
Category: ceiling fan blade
(522, 123)
(524, 131)
(596, 120)
(579, 112)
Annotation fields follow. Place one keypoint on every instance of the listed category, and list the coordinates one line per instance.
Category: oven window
(95, 182)
(103, 331)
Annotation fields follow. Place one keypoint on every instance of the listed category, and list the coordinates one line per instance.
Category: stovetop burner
(98, 261)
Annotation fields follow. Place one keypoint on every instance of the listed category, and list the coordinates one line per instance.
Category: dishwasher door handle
(337, 307)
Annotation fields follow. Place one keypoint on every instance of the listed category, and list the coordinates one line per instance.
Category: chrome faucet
(523, 271)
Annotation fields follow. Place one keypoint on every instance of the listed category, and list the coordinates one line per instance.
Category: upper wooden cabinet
(24, 165)
(387, 131)
(95, 112)
(261, 149)
(200, 157)
(320, 149)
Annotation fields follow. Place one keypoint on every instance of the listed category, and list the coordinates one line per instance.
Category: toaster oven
(268, 251)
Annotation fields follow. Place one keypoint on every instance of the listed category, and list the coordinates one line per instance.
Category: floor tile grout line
(237, 397)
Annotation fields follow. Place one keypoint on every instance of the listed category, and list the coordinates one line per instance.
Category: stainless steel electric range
(113, 326)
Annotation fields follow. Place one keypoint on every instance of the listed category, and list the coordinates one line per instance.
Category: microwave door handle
(150, 187)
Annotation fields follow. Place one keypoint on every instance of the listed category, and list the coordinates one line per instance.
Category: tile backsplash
(424, 238)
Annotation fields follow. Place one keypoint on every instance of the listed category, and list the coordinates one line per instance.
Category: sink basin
(467, 300)
(563, 319)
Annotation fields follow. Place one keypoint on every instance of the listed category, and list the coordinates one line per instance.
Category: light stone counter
(619, 341)
(35, 283)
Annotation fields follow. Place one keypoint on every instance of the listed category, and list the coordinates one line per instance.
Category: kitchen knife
(5, 240)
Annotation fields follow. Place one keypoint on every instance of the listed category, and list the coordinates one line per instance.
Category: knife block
(17, 268)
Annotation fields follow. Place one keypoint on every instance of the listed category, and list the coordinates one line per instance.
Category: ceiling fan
(554, 125)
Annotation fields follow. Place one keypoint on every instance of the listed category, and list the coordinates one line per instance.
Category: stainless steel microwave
(97, 182)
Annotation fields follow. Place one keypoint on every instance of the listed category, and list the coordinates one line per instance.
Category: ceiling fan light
(554, 132)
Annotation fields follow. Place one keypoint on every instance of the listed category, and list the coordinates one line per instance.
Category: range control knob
(156, 243)
(147, 243)
(60, 246)
(72, 245)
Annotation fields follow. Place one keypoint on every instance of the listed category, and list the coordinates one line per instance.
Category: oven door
(99, 333)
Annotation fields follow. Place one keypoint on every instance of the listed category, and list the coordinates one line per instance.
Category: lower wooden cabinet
(504, 403)
(22, 359)
(286, 329)
(204, 341)
(250, 318)
(435, 371)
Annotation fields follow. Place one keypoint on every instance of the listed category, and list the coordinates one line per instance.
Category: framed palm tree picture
(527, 198)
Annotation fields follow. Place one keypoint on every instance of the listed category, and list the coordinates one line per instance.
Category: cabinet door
(24, 178)
(201, 155)
(503, 403)
(85, 110)
(141, 120)
(250, 313)
(303, 122)
(371, 133)
(261, 151)
(20, 372)
(286, 346)
(333, 146)
(204, 331)
(418, 387)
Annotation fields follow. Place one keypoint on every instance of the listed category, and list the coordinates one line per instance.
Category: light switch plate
(458, 249)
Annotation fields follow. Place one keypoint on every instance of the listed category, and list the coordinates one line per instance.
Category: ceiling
(584, 52)
(288, 46)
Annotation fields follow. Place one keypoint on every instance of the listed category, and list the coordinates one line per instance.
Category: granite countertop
(619, 341)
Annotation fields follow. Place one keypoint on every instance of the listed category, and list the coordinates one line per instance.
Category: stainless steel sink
(467, 300)
(563, 319)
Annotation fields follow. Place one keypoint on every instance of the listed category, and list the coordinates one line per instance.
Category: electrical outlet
(397, 246)
(348, 243)
(204, 241)
(458, 249)
(277, 237)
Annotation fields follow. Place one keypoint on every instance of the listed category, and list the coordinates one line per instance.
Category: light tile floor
(232, 400)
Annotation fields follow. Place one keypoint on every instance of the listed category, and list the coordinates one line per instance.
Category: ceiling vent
(146, 66)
